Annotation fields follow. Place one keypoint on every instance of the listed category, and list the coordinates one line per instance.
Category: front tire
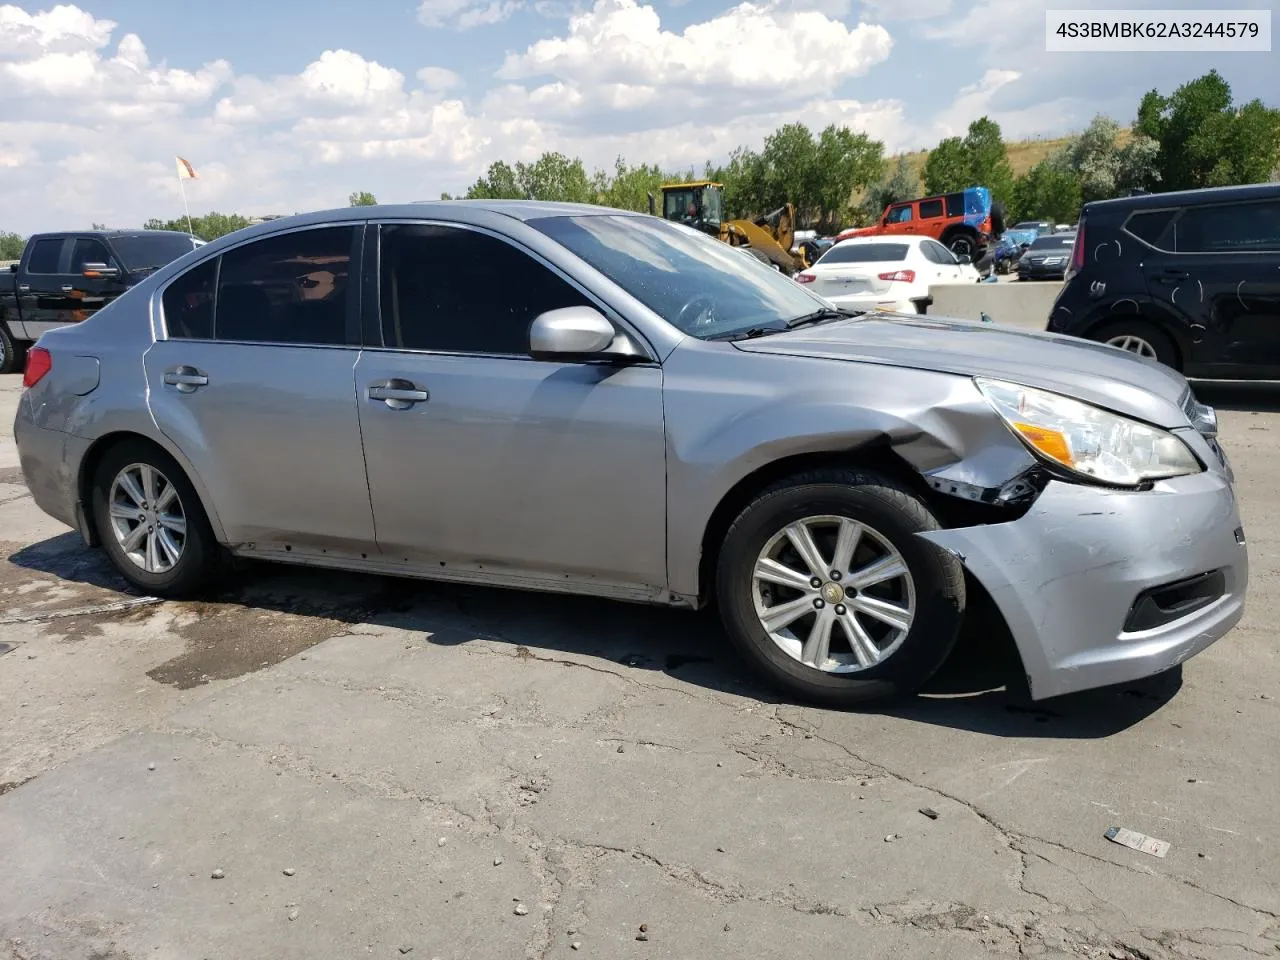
(151, 522)
(825, 588)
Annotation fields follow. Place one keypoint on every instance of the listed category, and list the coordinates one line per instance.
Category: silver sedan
(576, 399)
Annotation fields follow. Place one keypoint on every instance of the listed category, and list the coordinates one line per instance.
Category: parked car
(639, 411)
(967, 222)
(65, 277)
(1046, 258)
(1191, 279)
(879, 273)
(1041, 228)
(1011, 245)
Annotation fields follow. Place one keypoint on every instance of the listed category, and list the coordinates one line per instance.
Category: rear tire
(151, 522)
(963, 243)
(13, 353)
(924, 604)
(1140, 337)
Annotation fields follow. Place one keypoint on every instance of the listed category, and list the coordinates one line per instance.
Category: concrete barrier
(1024, 304)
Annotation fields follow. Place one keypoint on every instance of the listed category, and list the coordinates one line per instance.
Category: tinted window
(459, 291)
(87, 250)
(188, 303)
(1059, 241)
(148, 251)
(696, 283)
(955, 204)
(900, 214)
(1150, 225)
(865, 253)
(292, 288)
(1229, 228)
(44, 256)
(930, 209)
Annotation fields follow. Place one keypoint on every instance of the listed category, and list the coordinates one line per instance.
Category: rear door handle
(67, 288)
(1173, 275)
(398, 394)
(24, 288)
(186, 379)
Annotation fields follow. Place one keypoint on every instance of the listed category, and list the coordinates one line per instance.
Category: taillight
(805, 278)
(906, 276)
(1077, 249)
(39, 362)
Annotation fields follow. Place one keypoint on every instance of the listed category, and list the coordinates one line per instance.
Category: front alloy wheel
(1132, 344)
(833, 594)
(826, 586)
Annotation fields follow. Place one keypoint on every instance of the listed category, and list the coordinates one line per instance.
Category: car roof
(885, 238)
(1144, 201)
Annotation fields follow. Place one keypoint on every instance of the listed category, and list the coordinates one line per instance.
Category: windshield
(696, 283)
(152, 250)
(1056, 242)
(865, 253)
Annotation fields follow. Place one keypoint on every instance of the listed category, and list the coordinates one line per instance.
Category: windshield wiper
(826, 313)
(749, 334)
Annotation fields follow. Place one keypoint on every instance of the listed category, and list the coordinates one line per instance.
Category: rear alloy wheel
(11, 354)
(1139, 338)
(826, 588)
(151, 522)
(962, 245)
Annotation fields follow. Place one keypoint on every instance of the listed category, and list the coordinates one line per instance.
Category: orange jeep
(966, 221)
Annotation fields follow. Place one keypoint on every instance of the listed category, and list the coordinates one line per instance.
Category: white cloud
(465, 14)
(64, 29)
(907, 9)
(438, 78)
(748, 47)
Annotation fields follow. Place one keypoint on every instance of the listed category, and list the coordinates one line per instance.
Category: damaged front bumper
(1101, 586)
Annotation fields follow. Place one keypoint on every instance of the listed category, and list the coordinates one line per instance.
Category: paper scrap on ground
(1138, 841)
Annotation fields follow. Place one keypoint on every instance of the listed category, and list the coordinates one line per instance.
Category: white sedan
(885, 273)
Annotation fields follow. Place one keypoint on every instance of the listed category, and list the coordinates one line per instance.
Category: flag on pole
(185, 170)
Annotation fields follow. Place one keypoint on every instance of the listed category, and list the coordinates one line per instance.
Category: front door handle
(24, 288)
(67, 288)
(398, 394)
(186, 379)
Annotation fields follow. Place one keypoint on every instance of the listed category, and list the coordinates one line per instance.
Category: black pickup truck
(62, 278)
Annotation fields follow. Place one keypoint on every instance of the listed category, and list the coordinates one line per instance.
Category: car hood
(1088, 371)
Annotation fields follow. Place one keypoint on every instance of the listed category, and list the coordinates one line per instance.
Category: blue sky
(286, 106)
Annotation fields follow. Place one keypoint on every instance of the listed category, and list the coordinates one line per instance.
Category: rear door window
(290, 288)
(188, 303)
(45, 256)
(1252, 227)
(930, 209)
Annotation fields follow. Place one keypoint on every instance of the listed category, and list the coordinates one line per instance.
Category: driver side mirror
(99, 271)
(964, 258)
(579, 334)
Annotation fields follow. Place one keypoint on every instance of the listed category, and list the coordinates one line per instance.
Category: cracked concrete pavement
(424, 760)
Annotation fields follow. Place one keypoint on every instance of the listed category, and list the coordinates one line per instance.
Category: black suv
(1191, 279)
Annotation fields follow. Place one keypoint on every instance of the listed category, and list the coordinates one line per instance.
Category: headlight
(1087, 439)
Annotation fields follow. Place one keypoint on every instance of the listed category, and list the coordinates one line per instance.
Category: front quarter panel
(730, 413)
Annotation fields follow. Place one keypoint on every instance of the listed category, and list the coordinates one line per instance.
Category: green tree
(553, 176)
(976, 160)
(847, 162)
(362, 198)
(946, 168)
(498, 183)
(1048, 191)
(11, 246)
(901, 184)
(988, 161)
(1206, 141)
(629, 187)
(209, 227)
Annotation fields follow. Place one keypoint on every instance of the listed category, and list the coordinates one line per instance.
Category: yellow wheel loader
(700, 204)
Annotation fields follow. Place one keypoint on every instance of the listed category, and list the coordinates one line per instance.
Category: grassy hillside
(1022, 154)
